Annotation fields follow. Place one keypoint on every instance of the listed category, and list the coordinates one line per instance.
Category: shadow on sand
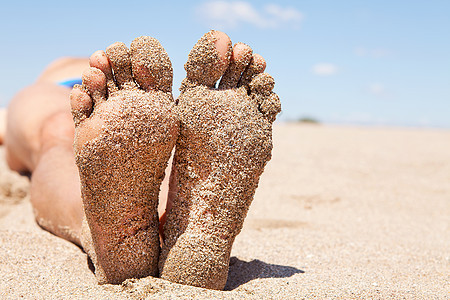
(241, 272)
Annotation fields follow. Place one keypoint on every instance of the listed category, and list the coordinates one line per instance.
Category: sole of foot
(126, 127)
(224, 144)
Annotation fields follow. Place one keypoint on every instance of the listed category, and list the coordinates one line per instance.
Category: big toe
(209, 58)
(151, 65)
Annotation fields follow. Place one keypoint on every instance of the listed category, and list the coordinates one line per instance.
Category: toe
(94, 82)
(209, 59)
(240, 59)
(256, 66)
(261, 90)
(80, 103)
(100, 61)
(151, 65)
(262, 84)
(120, 60)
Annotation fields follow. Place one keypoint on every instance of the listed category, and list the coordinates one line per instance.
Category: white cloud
(373, 53)
(284, 14)
(361, 51)
(324, 69)
(377, 89)
(231, 14)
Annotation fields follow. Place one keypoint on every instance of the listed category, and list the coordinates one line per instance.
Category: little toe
(209, 58)
(261, 90)
(151, 65)
(256, 66)
(100, 61)
(80, 103)
(120, 60)
(94, 82)
(240, 59)
(262, 84)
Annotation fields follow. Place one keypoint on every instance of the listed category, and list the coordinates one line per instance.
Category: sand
(340, 212)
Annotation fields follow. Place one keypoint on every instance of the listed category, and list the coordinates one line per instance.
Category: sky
(376, 63)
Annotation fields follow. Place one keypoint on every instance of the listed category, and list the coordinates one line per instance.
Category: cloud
(324, 69)
(284, 14)
(231, 14)
(377, 89)
(373, 53)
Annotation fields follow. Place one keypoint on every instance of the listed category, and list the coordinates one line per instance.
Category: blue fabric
(70, 82)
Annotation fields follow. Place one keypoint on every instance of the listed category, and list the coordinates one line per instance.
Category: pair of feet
(127, 124)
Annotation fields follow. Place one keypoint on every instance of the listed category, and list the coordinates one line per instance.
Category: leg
(32, 107)
(55, 184)
(38, 139)
(224, 143)
(27, 114)
(125, 131)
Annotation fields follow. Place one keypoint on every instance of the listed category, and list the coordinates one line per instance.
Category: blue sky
(348, 62)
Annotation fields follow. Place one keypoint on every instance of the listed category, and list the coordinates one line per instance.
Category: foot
(224, 143)
(125, 131)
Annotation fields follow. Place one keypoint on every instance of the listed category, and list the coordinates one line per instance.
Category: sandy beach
(340, 213)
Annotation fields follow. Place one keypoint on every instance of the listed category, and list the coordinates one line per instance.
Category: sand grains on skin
(126, 128)
(224, 143)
